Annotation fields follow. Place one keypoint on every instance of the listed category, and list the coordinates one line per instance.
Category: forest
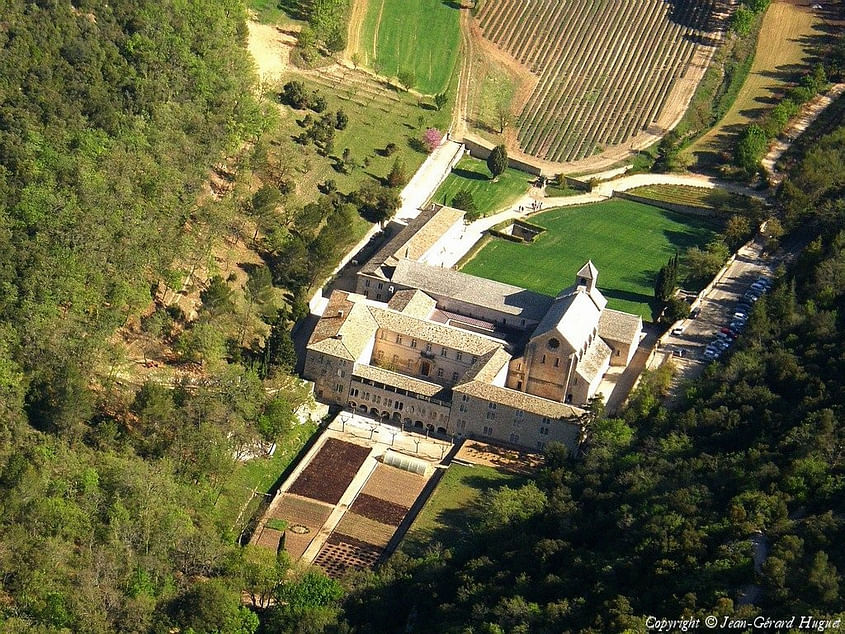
(120, 503)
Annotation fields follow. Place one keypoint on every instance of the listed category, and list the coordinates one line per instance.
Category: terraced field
(606, 69)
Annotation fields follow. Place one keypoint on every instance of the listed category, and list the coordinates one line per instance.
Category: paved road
(715, 311)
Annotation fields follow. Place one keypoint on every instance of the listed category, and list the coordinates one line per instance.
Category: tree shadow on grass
(469, 175)
(454, 530)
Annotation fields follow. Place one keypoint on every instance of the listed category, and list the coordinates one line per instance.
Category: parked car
(737, 326)
(740, 315)
(679, 330)
(711, 352)
(729, 332)
(750, 296)
(694, 312)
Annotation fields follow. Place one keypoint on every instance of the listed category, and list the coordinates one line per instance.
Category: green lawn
(259, 475)
(628, 242)
(445, 516)
(472, 175)
(417, 36)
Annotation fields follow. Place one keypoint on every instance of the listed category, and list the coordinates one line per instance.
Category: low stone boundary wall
(481, 151)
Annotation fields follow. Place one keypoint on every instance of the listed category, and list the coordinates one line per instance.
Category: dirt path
(375, 32)
(356, 22)
(270, 49)
(809, 113)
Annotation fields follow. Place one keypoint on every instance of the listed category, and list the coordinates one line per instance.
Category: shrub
(318, 102)
(341, 119)
(432, 138)
(464, 200)
(390, 149)
(293, 94)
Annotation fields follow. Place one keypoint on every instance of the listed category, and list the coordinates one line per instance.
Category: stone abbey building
(434, 348)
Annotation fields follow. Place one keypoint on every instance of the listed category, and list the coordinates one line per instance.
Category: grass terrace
(473, 176)
(378, 116)
(703, 197)
(421, 37)
(627, 241)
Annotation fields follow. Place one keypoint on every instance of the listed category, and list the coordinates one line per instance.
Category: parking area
(715, 311)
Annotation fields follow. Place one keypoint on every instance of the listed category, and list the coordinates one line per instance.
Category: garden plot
(304, 520)
(331, 471)
(367, 530)
(379, 510)
(394, 485)
(342, 553)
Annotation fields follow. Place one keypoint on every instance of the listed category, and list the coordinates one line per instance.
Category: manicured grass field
(628, 242)
(449, 510)
(417, 36)
(472, 175)
(784, 50)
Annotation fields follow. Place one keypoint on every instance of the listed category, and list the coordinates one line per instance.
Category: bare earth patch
(394, 485)
(270, 48)
(331, 471)
(379, 510)
(365, 529)
(500, 457)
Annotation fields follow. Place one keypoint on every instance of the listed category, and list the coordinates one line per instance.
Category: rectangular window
(442, 352)
(400, 405)
(367, 283)
(543, 360)
(546, 419)
(544, 431)
(488, 431)
(557, 362)
(462, 424)
(454, 376)
(464, 398)
(459, 356)
(519, 413)
(381, 354)
(541, 445)
(380, 286)
(413, 343)
(378, 296)
(440, 372)
(491, 415)
(463, 407)
(428, 347)
(398, 338)
(491, 405)
(474, 358)
(515, 438)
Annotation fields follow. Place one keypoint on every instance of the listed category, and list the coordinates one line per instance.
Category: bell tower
(587, 276)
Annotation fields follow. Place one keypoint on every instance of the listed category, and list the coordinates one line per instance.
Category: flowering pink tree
(432, 138)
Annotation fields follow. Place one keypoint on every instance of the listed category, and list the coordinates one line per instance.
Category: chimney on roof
(340, 314)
